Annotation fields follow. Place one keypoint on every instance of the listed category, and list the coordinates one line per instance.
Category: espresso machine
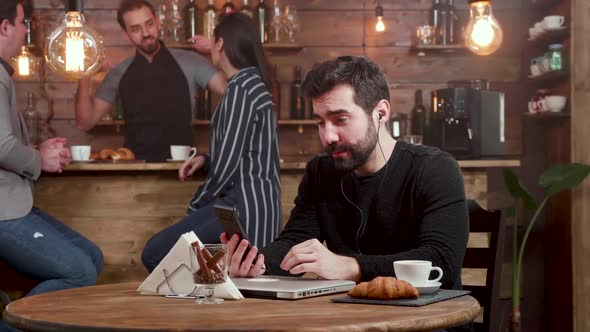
(467, 122)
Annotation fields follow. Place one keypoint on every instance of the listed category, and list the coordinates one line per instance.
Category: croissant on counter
(118, 154)
(384, 288)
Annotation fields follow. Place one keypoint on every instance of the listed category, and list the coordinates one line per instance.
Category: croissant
(126, 154)
(384, 288)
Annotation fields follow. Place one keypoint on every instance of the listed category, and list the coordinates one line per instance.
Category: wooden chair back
(490, 258)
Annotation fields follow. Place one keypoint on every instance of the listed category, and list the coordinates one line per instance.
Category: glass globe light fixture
(73, 50)
(483, 34)
(26, 63)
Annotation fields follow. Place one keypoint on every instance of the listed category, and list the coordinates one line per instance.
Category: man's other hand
(313, 256)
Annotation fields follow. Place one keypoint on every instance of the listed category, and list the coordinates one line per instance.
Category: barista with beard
(371, 199)
(156, 87)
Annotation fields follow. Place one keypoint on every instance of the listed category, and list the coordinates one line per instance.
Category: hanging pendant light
(483, 34)
(380, 26)
(26, 62)
(73, 50)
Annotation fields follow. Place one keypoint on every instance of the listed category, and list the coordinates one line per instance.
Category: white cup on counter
(182, 152)
(80, 152)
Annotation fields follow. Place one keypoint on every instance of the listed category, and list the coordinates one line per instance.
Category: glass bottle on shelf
(203, 104)
(276, 91)
(32, 120)
(119, 111)
(399, 125)
(228, 8)
(262, 18)
(555, 57)
(175, 19)
(162, 14)
(276, 23)
(209, 20)
(247, 9)
(418, 114)
(297, 98)
(434, 18)
(191, 13)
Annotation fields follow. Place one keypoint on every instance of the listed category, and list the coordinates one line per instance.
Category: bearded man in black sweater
(372, 199)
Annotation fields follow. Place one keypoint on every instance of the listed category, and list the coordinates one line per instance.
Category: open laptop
(290, 288)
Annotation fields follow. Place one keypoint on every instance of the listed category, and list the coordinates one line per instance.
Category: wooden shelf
(552, 76)
(551, 37)
(111, 123)
(284, 47)
(547, 115)
(185, 46)
(207, 122)
(421, 50)
(287, 47)
(298, 122)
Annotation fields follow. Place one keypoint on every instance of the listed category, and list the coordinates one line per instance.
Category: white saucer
(175, 160)
(428, 288)
(83, 161)
(555, 29)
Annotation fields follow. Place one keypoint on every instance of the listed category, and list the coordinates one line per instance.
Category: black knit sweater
(417, 211)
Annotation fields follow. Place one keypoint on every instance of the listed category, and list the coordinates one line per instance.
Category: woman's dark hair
(241, 44)
(130, 5)
(8, 10)
(360, 73)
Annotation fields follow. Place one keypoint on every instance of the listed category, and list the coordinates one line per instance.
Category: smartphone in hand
(229, 218)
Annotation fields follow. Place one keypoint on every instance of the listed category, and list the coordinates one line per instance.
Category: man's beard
(359, 153)
(150, 48)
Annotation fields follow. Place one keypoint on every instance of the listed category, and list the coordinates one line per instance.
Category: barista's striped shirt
(244, 157)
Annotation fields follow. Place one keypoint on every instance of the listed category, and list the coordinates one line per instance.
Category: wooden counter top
(173, 166)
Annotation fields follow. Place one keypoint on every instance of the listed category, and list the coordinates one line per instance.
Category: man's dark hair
(131, 5)
(361, 74)
(8, 10)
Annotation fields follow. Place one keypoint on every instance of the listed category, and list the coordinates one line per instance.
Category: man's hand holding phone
(243, 262)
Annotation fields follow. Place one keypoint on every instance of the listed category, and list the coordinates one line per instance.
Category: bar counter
(120, 206)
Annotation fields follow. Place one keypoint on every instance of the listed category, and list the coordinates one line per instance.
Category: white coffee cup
(535, 70)
(80, 152)
(555, 103)
(182, 152)
(416, 272)
(553, 22)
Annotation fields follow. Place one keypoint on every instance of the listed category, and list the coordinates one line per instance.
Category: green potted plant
(553, 181)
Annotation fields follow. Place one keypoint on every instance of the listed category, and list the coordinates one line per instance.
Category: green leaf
(563, 177)
(517, 190)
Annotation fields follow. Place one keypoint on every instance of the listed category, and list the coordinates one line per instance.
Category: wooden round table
(118, 307)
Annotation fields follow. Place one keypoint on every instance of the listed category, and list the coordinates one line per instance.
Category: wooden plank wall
(329, 29)
(580, 228)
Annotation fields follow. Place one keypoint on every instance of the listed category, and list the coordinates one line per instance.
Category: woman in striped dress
(243, 165)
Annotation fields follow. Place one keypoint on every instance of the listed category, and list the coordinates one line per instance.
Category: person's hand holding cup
(416, 272)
